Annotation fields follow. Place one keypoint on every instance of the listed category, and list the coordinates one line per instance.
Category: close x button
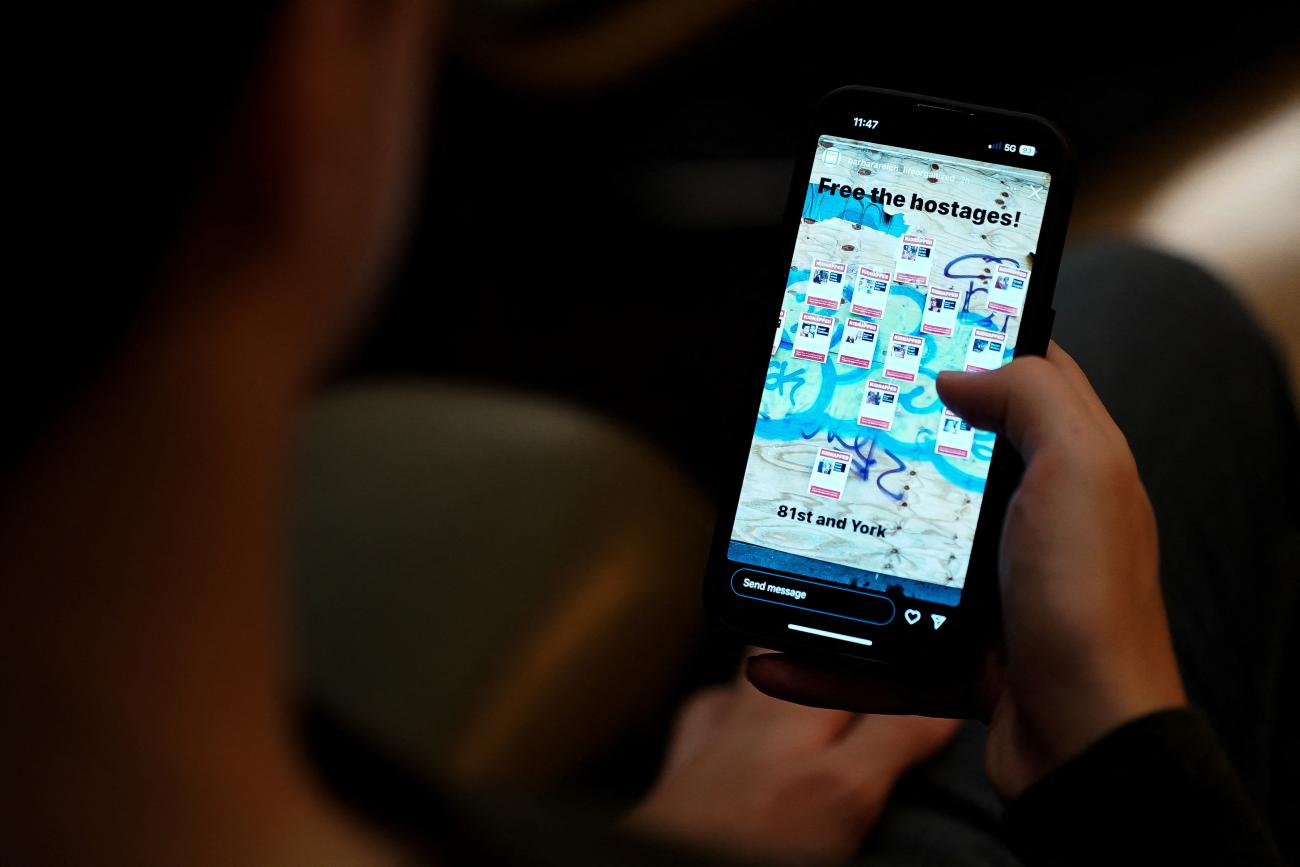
(844, 602)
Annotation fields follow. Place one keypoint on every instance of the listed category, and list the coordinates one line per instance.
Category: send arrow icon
(938, 620)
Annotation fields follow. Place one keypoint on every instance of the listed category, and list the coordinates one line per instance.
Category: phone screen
(907, 263)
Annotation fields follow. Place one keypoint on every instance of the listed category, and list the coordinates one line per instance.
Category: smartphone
(921, 235)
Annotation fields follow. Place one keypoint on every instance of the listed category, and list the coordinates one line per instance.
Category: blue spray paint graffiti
(818, 421)
(824, 206)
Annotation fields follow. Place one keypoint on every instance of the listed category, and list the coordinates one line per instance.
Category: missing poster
(858, 344)
(915, 257)
(830, 473)
(955, 435)
(940, 314)
(903, 357)
(879, 403)
(826, 284)
(813, 339)
(1007, 294)
(870, 292)
(985, 350)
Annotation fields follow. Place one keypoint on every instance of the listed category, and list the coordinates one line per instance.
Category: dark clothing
(1156, 791)
(1197, 390)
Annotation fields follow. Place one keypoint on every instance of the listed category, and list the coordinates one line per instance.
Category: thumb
(1029, 400)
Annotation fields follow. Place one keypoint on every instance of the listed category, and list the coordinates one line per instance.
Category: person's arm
(1157, 790)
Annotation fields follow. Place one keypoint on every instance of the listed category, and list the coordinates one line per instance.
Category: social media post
(905, 264)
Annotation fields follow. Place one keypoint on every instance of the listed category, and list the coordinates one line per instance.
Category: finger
(739, 712)
(795, 723)
(863, 691)
(1029, 401)
(1077, 379)
(1083, 387)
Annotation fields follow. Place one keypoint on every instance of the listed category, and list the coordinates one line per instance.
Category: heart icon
(911, 615)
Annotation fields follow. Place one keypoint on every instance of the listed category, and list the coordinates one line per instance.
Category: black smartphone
(923, 235)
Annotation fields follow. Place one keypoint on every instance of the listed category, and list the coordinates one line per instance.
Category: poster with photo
(903, 356)
(858, 345)
(1007, 292)
(915, 258)
(955, 435)
(780, 321)
(870, 292)
(830, 473)
(813, 339)
(940, 314)
(826, 284)
(879, 403)
(985, 350)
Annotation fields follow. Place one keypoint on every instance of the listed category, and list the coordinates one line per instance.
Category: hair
(134, 124)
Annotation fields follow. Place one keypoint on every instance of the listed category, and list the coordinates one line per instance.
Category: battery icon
(1028, 150)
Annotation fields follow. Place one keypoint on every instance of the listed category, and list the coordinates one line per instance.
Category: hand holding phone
(1086, 643)
(748, 774)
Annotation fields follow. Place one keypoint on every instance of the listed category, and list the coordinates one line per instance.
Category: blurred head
(307, 193)
(219, 169)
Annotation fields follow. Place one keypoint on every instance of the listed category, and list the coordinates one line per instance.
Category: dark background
(587, 266)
